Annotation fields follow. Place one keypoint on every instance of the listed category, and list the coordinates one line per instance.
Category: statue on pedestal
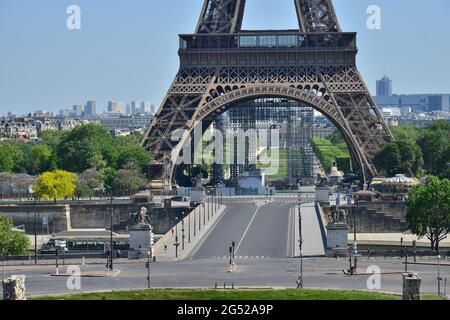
(140, 219)
(338, 216)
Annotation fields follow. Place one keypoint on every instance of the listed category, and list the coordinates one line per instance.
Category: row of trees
(332, 150)
(82, 162)
(85, 147)
(417, 151)
(62, 184)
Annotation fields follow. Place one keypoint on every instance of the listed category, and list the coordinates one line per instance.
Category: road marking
(248, 228)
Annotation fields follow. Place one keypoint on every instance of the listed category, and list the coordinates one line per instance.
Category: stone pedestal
(141, 241)
(337, 240)
(323, 194)
(14, 288)
(411, 286)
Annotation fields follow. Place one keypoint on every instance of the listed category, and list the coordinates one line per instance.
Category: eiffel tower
(221, 65)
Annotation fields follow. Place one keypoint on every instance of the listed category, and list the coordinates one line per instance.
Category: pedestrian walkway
(181, 241)
(313, 242)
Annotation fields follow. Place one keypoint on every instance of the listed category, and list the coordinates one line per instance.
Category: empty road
(261, 230)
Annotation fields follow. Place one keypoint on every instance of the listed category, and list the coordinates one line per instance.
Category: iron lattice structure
(221, 65)
(292, 120)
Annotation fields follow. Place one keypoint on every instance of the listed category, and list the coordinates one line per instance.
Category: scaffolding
(294, 121)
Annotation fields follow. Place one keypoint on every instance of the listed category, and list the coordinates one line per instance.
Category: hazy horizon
(127, 50)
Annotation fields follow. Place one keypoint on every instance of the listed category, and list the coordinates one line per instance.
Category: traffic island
(91, 274)
(364, 272)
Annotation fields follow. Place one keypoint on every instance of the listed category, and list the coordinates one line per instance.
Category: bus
(85, 240)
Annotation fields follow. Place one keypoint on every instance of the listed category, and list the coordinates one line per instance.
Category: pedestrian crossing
(241, 258)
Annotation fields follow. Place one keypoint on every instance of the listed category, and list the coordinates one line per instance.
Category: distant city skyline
(127, 51)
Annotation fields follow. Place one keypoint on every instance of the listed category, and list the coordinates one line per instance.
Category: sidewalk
(196, 226)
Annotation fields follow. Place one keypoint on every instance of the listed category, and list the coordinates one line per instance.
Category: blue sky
(127, 49)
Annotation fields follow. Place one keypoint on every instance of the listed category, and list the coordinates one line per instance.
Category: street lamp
(111, 235)
(176, 244)
(300, 217)
(35, 233)
(149, 254)
(233, 244)
(195, 220)
(204, 213)
(182, 234)
(439, 279)
(189, 230)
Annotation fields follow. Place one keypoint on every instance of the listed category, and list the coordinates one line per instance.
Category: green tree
(79, 148)
(335, 137)
(435, 144)
(428, 212)
(129, 180)
(399, 157)
(88, 182)
(328, 152)
(56, 184)
(5, 182)
(12, 243)
(6, 160)
(344, 164)
(14, 156)
(51, 138)
(42, 159)
(406, 133)
(130, 151)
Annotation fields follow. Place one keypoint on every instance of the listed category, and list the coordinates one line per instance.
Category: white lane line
(248, 228)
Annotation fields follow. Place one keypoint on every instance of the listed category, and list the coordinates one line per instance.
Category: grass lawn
(233, 295)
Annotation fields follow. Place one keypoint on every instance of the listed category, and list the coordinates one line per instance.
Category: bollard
(14, 288)
(411, 286)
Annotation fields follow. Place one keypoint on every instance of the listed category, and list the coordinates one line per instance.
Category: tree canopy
(79, 147)
(400, 157)
(428, 212)
(56, 184)
(12, 243)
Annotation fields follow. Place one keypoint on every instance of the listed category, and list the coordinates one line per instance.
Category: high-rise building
(152, 109)
(417, 102)
(438, 103)
(384, 87)
(145, 107)
(77, 110)
(135, 107)
(128, 109)
(90, 110)
(115, 107)
(64, 113)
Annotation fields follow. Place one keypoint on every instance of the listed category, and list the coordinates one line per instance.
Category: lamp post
(195, 221)
(439, 279)
(300, 217)
(176, 244)
(401, 248)
(189, 228)
(111, 235)
(204, 213)
(182, 234)
(148, 269)
(35, 233)
(208, 213)
(233, 244)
